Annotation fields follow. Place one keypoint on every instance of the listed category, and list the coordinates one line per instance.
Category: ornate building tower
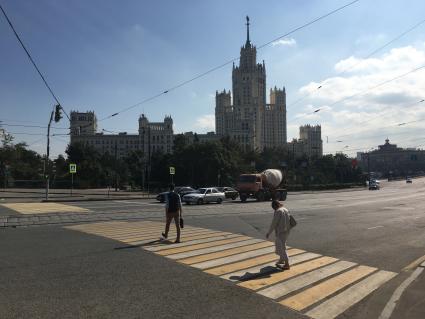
(249, 120)
(249, 95)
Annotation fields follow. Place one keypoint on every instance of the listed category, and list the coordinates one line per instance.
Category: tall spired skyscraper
(249, 119)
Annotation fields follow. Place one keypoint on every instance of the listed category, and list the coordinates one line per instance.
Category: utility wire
(362, 92)
(365, 57)
(33, 62)
(228, 62)
(33, 126)
(382, 127)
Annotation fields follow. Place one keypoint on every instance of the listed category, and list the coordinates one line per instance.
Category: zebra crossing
(316, 285)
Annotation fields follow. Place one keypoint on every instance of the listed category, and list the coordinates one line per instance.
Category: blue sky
(108, 55)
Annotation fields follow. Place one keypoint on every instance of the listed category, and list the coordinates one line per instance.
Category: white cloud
(354, 106)
(206, 123)
(289, 42)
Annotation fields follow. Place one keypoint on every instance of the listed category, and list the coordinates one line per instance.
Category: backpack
(292, 221)
(173, 202)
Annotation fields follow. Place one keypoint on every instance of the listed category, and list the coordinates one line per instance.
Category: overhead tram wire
(33, 62)
(365, 57)
(386, 114)
(32, 126)
(228, 62)
(361, 92)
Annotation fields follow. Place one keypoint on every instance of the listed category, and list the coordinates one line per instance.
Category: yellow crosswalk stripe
(199, 246)
(310, 296)
(322, 287)
(256, 284)
(44, 208)
(257, 271)
(220, 254)
(335, 306)
(247, 263)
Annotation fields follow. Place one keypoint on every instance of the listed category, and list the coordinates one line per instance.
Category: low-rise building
(152, 137)
(389, 160)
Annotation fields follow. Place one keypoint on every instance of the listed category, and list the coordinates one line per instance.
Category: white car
(204, 195)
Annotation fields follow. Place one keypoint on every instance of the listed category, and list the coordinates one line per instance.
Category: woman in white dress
(281, 226)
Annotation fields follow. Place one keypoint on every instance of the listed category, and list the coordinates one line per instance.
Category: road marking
(257, 271)
(212, 249)
(220, 254)
(256, 284)
(289, 286)
(44, 208)
(249, 262)
(312, 295)
(389, 307)
(335, 306)
(234, 258)
(189, 242)
(158, 233)
(414, 264)
(199, 246)
(375, 227)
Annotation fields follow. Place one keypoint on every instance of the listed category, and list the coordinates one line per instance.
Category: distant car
(374, 185)
(181, 190)
(204, 195)
(408, 180)
(229, 192)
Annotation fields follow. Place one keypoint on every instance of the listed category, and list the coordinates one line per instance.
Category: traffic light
(58, 114)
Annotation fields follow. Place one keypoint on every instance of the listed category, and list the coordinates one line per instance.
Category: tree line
(196, 164)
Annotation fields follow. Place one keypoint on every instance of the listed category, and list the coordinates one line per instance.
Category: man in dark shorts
(173, 210)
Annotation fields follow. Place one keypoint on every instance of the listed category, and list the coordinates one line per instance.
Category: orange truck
(262, 186)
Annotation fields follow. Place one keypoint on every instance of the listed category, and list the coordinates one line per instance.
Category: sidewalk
(64, 195)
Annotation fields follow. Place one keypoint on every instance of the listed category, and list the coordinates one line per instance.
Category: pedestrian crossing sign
(172, 170)
(72, 168)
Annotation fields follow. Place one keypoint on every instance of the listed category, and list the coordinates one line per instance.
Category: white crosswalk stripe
(250, 263)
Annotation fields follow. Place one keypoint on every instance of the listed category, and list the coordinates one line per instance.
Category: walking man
(173, 210)
(281, 226)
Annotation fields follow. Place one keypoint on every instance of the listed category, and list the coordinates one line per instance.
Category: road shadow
(264, 272)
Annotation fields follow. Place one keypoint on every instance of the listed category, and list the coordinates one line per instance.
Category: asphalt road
(51, 272)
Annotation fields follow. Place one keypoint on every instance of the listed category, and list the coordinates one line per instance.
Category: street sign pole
(72, 171)
(172, 172)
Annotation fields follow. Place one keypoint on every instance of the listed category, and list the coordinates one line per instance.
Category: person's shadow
(151, 243)
(264, 272)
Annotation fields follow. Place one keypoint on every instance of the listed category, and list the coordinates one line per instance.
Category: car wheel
(200, 201)
(243, 198)
(234, 197)
(219, 201)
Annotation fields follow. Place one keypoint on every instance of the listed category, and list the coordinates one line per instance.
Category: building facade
(248, 119)
(389, 160)
(153, 136)
(309, 144)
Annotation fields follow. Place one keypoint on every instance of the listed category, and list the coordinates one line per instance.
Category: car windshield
(247, 179)
(202, 190)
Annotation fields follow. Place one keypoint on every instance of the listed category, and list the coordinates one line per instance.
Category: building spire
(247, 31)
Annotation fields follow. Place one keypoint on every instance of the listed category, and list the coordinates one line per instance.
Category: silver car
(204, 195)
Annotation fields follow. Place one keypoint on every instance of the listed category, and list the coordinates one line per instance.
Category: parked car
(181, 190)
(409, 180)
(374, 185)
(204, 195)
(229, 192)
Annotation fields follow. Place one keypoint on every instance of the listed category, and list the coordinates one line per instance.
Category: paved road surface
(381, 232)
